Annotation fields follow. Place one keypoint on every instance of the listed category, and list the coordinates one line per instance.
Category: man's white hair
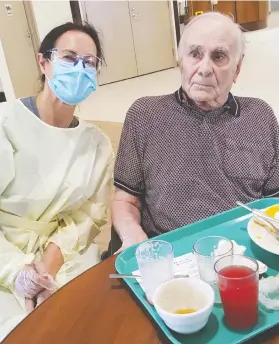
(217, 16)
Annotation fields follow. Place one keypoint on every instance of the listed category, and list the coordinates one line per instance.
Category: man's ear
(238, 69)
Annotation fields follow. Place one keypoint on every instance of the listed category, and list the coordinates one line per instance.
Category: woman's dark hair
(50, 39)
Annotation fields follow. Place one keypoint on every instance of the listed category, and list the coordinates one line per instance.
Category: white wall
(274, 5)
(82, 10)
(49, 14)
(173, 31)
(6, 81)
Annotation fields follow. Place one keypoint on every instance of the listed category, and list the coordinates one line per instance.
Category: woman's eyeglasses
(70, 56)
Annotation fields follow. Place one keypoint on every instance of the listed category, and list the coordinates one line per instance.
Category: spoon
(123, 276)
(138, 276)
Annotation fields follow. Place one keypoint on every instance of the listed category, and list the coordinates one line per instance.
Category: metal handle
(28, 34)
(137, 276)
(257, 212)
(123, 276)
(134, 15)
(244, 206)
(264, 218)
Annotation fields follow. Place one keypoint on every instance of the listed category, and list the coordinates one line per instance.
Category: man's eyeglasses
(70, 56)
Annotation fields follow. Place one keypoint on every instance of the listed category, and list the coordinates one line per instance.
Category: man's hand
(126, 218)
(133, 240)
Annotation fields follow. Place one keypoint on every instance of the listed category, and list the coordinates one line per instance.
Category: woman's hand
(42, 296)
(32, 279)
(53, 259)
(51, 264)
(31, 304)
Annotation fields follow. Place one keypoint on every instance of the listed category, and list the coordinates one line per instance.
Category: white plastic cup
(155, 261)
(207, 250)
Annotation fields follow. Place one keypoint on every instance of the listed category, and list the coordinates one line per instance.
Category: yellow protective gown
(54, 187)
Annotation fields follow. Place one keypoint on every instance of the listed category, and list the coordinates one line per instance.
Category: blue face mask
(72, 83)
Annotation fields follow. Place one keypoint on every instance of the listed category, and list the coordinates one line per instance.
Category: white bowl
(184, 293)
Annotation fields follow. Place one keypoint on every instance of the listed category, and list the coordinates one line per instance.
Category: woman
(55, 174)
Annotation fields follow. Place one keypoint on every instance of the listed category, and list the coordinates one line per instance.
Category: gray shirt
(186, 164)
(30, 103)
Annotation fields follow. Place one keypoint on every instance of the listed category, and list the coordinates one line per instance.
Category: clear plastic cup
(207, 250)
(155, 261)
(238, 281)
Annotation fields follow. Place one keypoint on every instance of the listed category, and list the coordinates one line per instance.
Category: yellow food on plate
(264, 225)
(271, 211)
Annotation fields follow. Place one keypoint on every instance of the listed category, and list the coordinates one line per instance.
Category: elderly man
(192, 154)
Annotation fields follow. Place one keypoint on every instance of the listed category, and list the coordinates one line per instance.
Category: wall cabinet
(137, 37)
(251, 15)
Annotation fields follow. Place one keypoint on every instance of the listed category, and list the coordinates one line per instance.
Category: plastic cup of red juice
(238, 282)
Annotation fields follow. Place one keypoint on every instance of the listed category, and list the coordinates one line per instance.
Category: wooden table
(94, 309)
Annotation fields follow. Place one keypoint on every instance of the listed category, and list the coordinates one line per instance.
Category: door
(112, 20)
(263, 10)
(152, 33)
(18, 48)
(247, 11)
(199, 7)
(226, 7)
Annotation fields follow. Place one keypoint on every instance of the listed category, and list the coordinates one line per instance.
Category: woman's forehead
(76, 41)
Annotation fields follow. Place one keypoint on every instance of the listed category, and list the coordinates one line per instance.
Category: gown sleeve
(78, 229)
(12, 259)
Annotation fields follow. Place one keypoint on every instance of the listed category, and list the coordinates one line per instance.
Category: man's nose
(205, 68)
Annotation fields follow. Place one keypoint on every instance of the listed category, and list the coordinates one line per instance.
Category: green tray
(233, 225)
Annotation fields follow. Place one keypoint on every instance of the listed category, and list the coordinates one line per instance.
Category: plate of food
(263, 234)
